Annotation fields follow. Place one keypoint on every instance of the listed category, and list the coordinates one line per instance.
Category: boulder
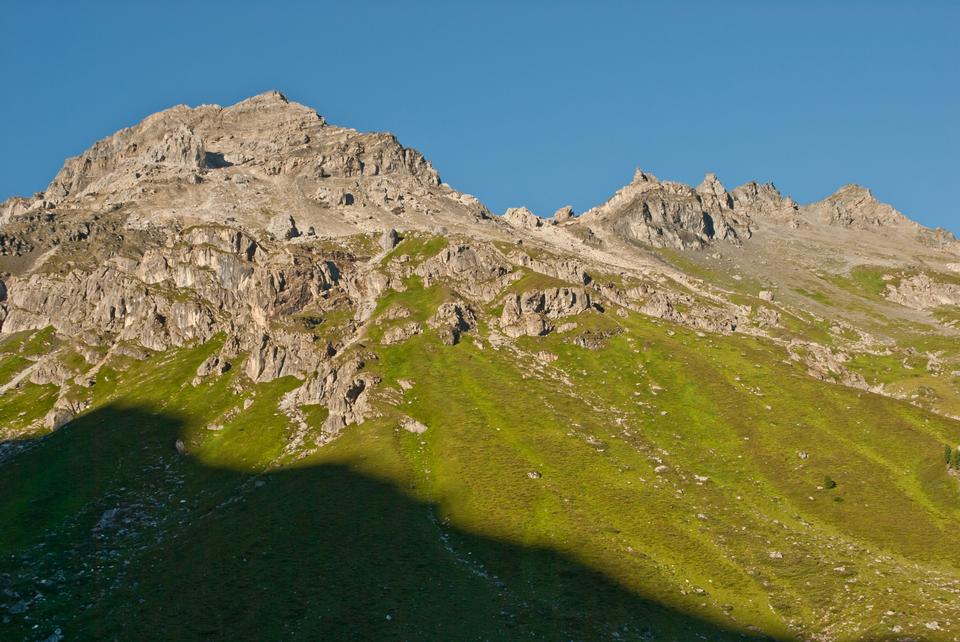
(562, 215)
(412, 425)
(523, 218)
(400, 333)
(451, 320)
(389, 240)
(283, 227)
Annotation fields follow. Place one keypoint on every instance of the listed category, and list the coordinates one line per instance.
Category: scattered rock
(400, 333)
(922, 292)
(412, 425)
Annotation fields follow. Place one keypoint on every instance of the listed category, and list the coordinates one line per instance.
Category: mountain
(263, 377)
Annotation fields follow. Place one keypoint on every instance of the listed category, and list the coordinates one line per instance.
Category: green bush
(828, 482)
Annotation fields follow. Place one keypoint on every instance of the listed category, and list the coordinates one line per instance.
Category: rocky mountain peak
(764, 201)
(271, 109)
(711, 185)
(639, 176)
(713, 194)
(670, 214)
(855, 206)
(271, 96)
(248, 162)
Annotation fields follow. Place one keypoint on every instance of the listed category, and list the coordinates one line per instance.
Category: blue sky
(525, 103)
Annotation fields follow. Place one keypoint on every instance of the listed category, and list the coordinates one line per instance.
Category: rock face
(762, 201)
(451, 320)
(667, 214)
(649, 212)
(389, 240)
(530, 313)
(180, 228)
(478, 270)
(157, 143)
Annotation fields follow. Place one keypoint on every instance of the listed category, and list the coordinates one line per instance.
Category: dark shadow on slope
(107, 532)
(215, 160)
(708, 228)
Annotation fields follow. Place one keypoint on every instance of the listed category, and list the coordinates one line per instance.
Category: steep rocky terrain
(266, 377)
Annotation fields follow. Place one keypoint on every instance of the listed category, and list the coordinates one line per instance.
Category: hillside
(264, 377)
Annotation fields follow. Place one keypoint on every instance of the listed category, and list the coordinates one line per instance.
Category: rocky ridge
(232, 221)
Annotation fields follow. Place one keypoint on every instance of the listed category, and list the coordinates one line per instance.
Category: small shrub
(828, 482)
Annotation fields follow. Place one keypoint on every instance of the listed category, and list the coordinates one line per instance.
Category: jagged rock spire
(639, 176)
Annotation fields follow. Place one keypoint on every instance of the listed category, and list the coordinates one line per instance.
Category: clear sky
(524, 103)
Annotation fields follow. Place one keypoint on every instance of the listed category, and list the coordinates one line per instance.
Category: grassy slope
(673, 500)
(227, 541)
(598, 439)
(904, 372)
(860, 295)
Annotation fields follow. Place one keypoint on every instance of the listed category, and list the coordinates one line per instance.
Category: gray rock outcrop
(530, 313)
(562, 215)
(451, 320)
(523, 218)
(922, 292)
(667, 214)
(283, 227)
